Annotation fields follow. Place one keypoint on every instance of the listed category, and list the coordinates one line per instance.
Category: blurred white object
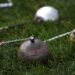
(9, 4)
(47, 13)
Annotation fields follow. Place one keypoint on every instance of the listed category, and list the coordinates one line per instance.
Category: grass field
(21, 14)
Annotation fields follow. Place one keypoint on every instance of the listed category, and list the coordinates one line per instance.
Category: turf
(21, 15)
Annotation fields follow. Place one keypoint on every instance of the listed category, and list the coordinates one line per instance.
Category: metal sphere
(33, 50)
(72, 36)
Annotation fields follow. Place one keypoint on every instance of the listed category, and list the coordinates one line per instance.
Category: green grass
(3, 1)
(62, 49)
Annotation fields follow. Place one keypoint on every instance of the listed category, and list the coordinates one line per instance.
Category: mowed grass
(21, 15)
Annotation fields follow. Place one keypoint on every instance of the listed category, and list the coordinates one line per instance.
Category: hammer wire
(48, 40)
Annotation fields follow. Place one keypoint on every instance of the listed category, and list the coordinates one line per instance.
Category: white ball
(47, 13)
